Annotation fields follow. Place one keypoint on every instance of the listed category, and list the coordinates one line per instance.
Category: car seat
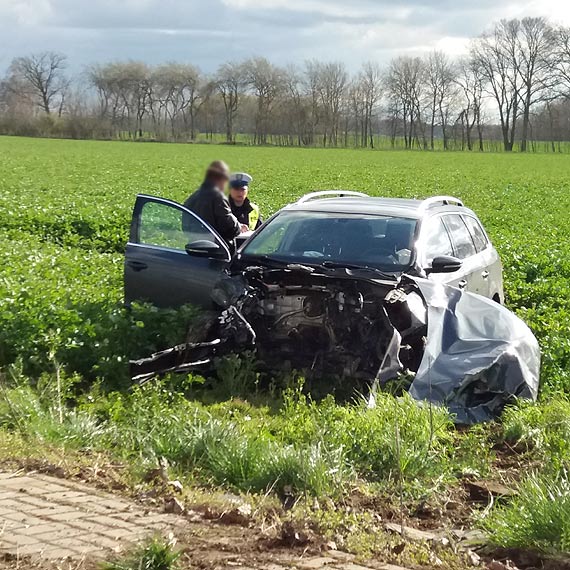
(399, 235)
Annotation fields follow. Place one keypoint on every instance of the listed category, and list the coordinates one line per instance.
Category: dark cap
(219, 168)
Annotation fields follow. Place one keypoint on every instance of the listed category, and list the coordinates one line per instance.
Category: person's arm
(226, 223)
(259, 222)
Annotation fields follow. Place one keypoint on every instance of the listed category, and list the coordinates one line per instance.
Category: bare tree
(311, 80)
(136, 93)
(42, 79)
(470, 83)
(298, 105)
(441, 91)
(329, 82)
(230, 82)
(561, 60)
(177, 95)
(125, 94)
(370, 79)
(267, 82)
(404, 82)
(495, 55)
(358, 110)
(533, 61)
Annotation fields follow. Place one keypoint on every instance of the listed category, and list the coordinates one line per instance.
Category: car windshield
(383, 242)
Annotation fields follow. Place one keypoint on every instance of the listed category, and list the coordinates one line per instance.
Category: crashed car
(339, 283)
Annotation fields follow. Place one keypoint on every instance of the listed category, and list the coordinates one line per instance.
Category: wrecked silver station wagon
(367, 289)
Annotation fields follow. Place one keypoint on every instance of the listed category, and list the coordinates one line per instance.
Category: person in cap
(210, 203)
(243, 209)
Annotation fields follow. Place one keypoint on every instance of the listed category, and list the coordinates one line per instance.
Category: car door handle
(462, 284)
(485, 274)
(137, 265)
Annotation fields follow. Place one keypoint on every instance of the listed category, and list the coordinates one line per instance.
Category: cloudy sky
(207, 32)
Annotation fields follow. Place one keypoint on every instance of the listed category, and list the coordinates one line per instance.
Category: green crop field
(64, 338)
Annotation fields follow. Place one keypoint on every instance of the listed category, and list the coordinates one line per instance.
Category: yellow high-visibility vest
(253, 216)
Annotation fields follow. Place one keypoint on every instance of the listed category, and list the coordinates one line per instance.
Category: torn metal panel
(478, 356)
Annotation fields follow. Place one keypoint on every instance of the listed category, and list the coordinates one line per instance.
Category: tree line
(512, 90)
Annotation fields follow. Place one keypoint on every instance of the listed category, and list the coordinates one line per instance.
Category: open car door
(172, 256)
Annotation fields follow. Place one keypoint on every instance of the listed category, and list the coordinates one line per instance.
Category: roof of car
(401, 207)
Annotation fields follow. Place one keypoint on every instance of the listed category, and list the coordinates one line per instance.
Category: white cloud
(557, 10)
(337, 10)
(453, 45)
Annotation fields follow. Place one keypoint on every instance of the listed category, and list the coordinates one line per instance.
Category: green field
(64, 217)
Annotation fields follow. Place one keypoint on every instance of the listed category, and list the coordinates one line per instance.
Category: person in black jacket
(210, 203)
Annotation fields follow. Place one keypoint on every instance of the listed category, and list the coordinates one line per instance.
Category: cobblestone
(52, 518)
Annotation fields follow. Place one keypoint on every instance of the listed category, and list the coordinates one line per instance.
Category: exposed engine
(331, 324)
(323, 323)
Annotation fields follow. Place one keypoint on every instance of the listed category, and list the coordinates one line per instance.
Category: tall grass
(542, 429)
(319, 448)
(539, 517)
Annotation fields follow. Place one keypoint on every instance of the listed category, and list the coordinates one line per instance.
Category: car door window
(477, 233)
(463, 245)
(437, 240)
(163, 225)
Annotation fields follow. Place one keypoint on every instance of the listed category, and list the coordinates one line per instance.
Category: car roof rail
(324, 193)
(440, 201)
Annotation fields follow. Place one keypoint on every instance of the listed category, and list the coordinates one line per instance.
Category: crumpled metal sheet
(478, 355)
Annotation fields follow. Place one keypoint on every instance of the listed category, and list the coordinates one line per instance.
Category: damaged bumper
(459, 350)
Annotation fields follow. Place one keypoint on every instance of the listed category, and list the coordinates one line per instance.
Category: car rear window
(462, 242)
(385, 242)
(477, 233)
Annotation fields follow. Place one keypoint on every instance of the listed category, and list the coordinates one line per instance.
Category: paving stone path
(50, 518)
(56, 518)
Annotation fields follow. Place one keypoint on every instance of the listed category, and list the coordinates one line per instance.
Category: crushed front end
(454, 348)
(327, 323)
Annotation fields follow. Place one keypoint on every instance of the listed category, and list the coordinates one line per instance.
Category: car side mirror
(444, 264)
(204, 248)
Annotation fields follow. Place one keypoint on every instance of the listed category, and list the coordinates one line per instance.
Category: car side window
(437, 240)
(163, 225)
(477, 233)
(463, 245)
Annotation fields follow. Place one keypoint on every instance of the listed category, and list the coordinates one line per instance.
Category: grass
(315, 448)
(539, 517)
(65, 208)
(156, 554)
